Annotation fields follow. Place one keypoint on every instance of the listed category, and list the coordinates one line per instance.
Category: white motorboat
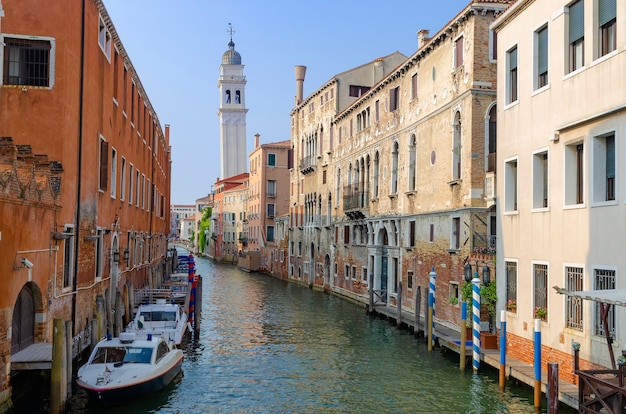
(124, 368)
(168, 320)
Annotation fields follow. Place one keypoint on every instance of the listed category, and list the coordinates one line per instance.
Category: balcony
(308, 164)
(355, 202)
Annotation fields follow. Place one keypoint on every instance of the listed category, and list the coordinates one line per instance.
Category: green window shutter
(607, 11)
(576, 21)
(542, 39)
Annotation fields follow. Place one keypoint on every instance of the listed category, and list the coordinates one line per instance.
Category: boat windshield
(159, 316)
(138, 355)
(115, 354)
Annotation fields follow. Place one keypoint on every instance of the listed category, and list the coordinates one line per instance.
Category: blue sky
(176, 48)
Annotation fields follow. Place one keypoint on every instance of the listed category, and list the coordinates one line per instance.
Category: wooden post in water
(399, 317)
(418, 308)
(94, 333)
(502, 349)
(370, 308)
(68, 359)
(553, 388)
(198, 316)
(463, 341)
(430, 322)
(56, 373)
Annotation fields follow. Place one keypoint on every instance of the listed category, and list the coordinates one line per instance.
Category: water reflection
(268, 346)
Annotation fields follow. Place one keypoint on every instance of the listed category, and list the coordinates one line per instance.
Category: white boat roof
(615, 297)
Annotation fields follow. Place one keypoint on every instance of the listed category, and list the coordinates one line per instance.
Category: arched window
(491, 144)
(412, 166)
(228, 96)
(237, 97)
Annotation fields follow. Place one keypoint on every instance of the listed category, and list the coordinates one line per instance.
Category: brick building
(84, 177)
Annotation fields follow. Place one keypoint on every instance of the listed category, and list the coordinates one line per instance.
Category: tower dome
(231, 56)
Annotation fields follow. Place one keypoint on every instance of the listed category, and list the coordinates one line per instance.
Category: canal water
(269, 346)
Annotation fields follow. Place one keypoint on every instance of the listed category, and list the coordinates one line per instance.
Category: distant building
(226, 222)
(178, 213)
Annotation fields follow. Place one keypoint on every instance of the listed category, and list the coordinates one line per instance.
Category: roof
(615, 297)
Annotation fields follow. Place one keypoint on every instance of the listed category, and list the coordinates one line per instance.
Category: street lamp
(467, 273)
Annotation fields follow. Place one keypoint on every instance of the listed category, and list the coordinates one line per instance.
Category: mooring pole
(433, 287)
(463, 342)
(430, 322)
(502, 349)
(418, 308)
(553, 388)
(476, 322)
(537, 392)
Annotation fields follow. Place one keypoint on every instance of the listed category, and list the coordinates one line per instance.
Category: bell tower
(232, 112)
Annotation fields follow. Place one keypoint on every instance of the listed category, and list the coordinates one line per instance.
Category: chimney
(256, 140)
(300, 73)
(379, 70)
(422, 38)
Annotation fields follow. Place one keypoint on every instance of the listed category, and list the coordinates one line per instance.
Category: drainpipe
(81, 91)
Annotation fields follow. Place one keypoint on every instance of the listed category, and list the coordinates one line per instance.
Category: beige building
(233, 216)
(562, 118)
(313, 138)
(402, 174)
(268, 195)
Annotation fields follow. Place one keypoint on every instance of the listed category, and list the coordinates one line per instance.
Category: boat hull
(120, 394)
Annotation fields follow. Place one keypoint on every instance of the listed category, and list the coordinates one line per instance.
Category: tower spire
(231, 32)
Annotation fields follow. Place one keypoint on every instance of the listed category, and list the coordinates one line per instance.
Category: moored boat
(124, 368)
(168, 320)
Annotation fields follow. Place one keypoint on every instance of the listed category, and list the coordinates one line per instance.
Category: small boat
(124, 368)
(168, 320)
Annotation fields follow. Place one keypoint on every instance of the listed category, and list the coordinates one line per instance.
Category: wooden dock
(449, 338)
(35, 356)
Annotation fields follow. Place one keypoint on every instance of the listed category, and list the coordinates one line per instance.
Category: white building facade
(561, 168)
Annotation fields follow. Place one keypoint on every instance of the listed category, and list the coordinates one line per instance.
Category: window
(412, 233)
(540, 180)
(607, 13)
(271, 210)
(104, 164)
(541, 57)
(131, 191)
(455, 234)
(376, 174)
(431, 235)
(346, 234)
(453, 293)
(414, 86)
(346, 271)
(394, 169)
(458, 52)
(491, 150)
(377, 111)
(574, 156)
(574, 305)
(511, 80)
(409, 280)
(356, 91)
(113, 173)
(123, 180)
(576, 35)
(271, 188)
(412, 166)
(104, 38)
(353, 272)
(270, 233)
(68, 257)
(28, 62)
(604, 279)
(137, 187)
(456, 147)
(604, 168)
(394, 98)
(540, 292)
(511, 286)
(271, 159)
(510, 185)
(364, 274)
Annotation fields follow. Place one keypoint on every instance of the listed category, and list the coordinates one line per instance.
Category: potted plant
(454, 300)
(511, 305)
(541, 313)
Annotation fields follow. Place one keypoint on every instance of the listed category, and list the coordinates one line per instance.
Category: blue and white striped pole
(537, 363)
(476, 320)
(502, 348)
(433, 288)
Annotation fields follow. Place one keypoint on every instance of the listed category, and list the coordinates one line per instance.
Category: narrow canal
(268, 346)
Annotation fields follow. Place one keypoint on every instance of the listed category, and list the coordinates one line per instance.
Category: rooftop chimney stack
(300, 73)
(422, 38)
(256, 140)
